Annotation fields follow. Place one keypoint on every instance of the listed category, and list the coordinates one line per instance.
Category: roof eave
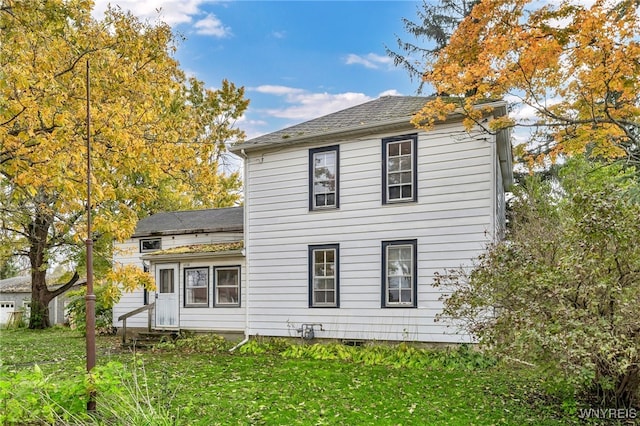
(236, 228)
(192, 256)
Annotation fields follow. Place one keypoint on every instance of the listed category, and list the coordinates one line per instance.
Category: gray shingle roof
(192, 221)
(22, 283)
(378, 112)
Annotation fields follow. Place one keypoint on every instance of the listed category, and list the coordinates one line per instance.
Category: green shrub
(29, 397)
(77, 310)
(563, 292)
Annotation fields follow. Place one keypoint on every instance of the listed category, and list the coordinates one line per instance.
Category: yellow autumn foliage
(157, 137)
(125, 278)
(576, 66)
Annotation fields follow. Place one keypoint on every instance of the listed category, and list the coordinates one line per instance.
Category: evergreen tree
(435, 24)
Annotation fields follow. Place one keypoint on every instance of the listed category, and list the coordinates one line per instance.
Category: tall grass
(122, 392)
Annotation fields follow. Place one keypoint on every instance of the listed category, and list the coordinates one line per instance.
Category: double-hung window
(399, 273)
(399, 174)
(227, 286)
(323, 178)
(196, 287)
(324, 276)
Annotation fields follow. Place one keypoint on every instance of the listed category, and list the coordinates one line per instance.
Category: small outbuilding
(15, 301)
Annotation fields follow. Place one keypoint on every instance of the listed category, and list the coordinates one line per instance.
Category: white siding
(452, 222)
(218, 319)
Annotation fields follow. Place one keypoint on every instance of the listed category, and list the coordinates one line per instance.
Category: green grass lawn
(216, 387)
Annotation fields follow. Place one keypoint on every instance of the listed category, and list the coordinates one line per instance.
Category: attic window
(150, 244)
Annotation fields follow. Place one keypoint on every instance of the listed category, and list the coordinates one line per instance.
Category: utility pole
(90, 298)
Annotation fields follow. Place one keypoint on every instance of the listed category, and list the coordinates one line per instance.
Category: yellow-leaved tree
(158, 138)
(576, 67)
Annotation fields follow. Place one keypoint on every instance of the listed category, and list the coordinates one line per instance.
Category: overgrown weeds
(122, 392)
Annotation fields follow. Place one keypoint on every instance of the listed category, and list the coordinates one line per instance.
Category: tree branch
(66, 286)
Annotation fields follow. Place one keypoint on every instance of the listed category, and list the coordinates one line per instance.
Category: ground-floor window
(196, 287)
(324, 276)
(227, 285)
(399, 273)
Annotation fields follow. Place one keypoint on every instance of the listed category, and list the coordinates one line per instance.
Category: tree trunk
(40, 298)
(39, 246)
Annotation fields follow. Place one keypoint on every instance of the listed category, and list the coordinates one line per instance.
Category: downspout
(245, 174)
(495, 169)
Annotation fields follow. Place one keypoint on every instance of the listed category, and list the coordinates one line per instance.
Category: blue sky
(296, 59)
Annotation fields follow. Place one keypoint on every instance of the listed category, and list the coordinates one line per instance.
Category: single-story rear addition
(346, 219)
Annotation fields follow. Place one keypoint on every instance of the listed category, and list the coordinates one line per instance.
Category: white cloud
(304, 105)
(277, 90)
(173, 12)
(278, 34)
(390, 92)
(370, 60)
(212, 26)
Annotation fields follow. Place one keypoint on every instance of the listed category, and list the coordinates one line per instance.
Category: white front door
(166, 296)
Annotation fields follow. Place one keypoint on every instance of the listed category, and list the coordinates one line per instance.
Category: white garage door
(5, 311)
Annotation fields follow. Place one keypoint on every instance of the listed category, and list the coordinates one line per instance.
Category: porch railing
(149, 308)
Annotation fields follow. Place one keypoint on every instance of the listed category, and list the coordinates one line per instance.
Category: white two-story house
(347, 218)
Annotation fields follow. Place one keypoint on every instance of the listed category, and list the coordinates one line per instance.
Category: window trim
(311, 251)
(312, 152)
(195, 305)
(142, 240)
(215, 302)
(414, 284)
(413, 138)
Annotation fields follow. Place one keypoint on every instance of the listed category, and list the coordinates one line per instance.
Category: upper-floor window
(399, 169)
(323, 178)
(324, 276)
(399, 273)
(150, 244)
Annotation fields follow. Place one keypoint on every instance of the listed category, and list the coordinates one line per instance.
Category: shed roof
(227, 219)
